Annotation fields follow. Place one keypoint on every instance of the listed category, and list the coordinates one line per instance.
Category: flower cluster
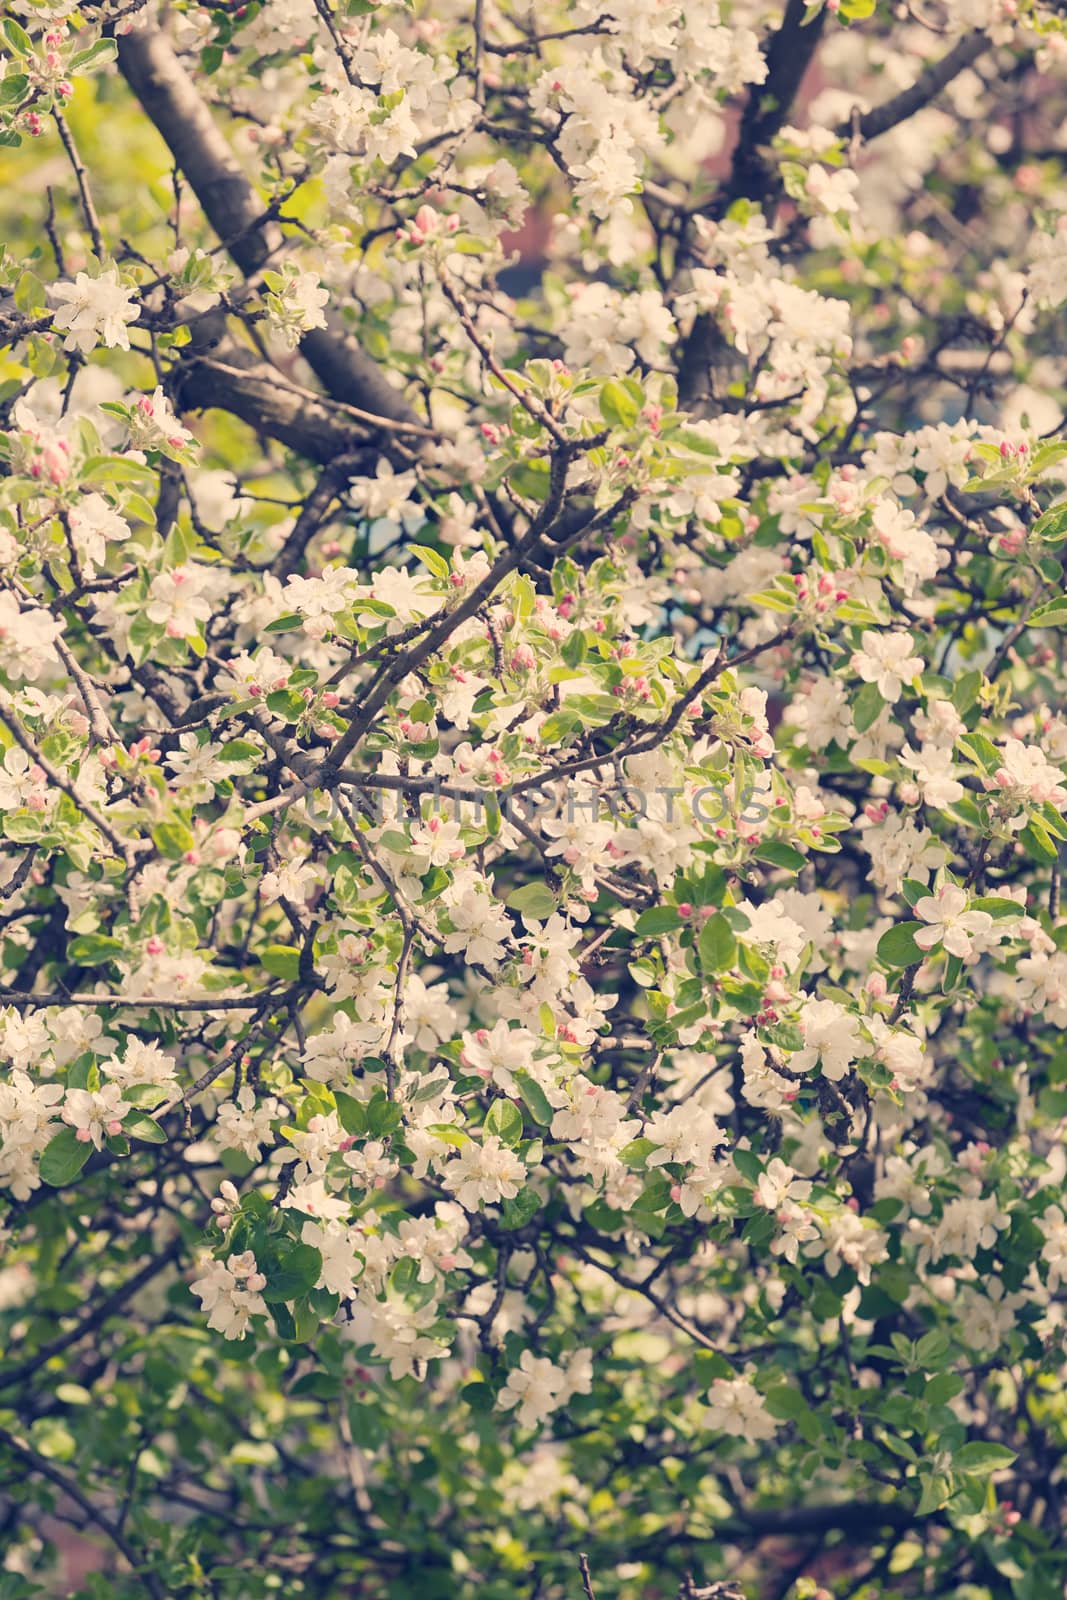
(533, 792)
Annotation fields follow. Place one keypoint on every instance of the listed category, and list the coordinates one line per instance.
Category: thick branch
(170, 100)
(927, 86)
(256, 393)
(788, 59)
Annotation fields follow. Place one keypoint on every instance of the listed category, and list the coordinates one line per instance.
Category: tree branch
(927, 86)
(170, 99)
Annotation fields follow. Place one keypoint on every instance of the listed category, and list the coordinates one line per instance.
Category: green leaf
(867, 707)
(1053, 614)
(1037, 843)
(936, 1491)
(517, 1213)
(748, 1165)
(240, 750)
(997, 906)
(982, 751)
(932, 1348)
(350, 1112)
(287, 704)
(18, 38)
(383, 1115)
(636, 1153)
(776, 853)
(13, 88)
(617, 405)
(64, 1157)
(173, 839)
(432, 559)
(897, 947)
(716, 944)
(103, 50)
(296, 1272)
(978, 1459)
(281, 961)
(785, 1402)
(965, 693)
(1051, 526)
(657, 920)
(945, 1387)
(535, 1099)
(573, 651)
(505, 1120)
(534, 900)
(90, 949)
(140, 1126)
(557, 726)
(478, 1395)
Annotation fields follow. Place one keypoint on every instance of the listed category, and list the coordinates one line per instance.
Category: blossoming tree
(532, 799)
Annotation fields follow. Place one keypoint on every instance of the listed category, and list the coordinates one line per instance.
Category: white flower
(26, 637)
(769, 924)
(497, 1053)
(92, 523)
(174, 599)
(297, 307)
(20, 779)
(885, 659)
(26, 1126)
(386, 496)
(1053, 1225)
(535, 1386)
(851, 1242)
(736, 1407)
(934, 769)
(95, 1114)
(293, 880)
(484, 1173)
(949, 922)
(778, 1183)
(229, 1291)
(1027, 773)
(593, 335)
(832, 191)
(196, 766)
(95, 309)
(683, 1134)
(480, 929)
(246, 1125)
(967, 1225)
(831, 1039)
(142, 1063)
(342, 1261)
(153, 425)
